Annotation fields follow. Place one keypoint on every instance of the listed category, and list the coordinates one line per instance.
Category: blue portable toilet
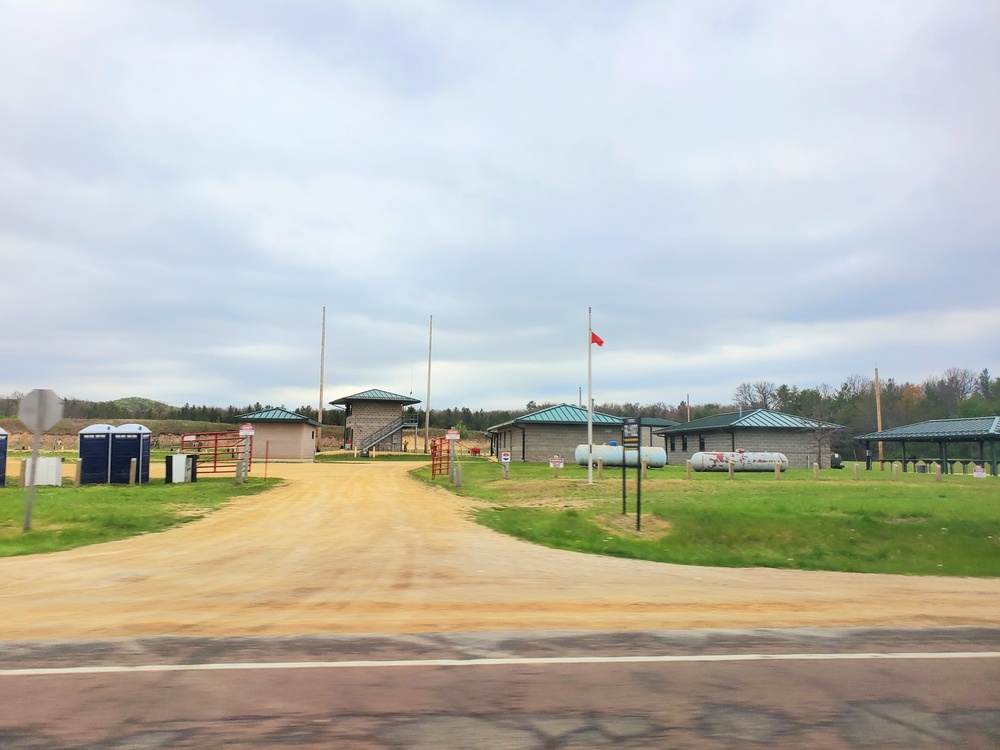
(3, 456)
(95, 454)
(130, 441)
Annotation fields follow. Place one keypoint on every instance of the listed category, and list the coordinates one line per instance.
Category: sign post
(631, 430)
(38, 411)
(453, 435)
(505, 463)
(246, 432)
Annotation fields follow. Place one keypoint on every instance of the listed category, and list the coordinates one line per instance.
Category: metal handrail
(382, 434)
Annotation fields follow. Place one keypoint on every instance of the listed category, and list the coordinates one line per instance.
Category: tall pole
(878, 418)
(427, 417)
(322, 369)
(29, 491)
(590, 407)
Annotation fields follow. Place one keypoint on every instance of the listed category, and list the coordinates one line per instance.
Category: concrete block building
(557, 430)
(282, 435)
(802, 440)
(376, 419)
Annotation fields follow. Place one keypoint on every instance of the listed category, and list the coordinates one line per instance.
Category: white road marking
(491, 662)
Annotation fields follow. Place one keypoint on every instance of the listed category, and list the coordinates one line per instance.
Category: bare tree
(960, 381)
(820, 411)
(953, 387)
(743, 396)
(856, 385)
(760, 394)
(764, 394)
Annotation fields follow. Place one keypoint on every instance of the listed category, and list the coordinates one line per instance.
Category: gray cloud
(740, 191)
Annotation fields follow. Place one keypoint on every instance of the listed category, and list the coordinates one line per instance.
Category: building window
(673, 443)
(701, 442)
(684, 443)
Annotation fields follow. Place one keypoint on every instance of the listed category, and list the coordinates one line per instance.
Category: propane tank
(611, 455)
(742, 460)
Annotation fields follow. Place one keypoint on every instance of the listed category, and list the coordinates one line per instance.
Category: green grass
(912, 525)
(67, 517)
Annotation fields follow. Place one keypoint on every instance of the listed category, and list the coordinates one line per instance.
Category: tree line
(957, 392)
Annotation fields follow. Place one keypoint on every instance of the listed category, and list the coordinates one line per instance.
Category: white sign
(453, 434)
(178, 467)
(40, 410)
(505, 457)
(556, 462)
(48, 473)
(246, 430)
(979, 471)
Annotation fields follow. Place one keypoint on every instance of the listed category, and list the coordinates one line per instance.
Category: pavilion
(944, 432)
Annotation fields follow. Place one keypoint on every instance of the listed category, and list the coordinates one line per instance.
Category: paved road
(522, 691)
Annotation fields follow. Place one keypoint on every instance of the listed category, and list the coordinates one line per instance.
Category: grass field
(67, 517)
(911, 525)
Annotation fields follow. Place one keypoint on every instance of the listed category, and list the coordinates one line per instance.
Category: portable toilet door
(3, 456)
(130, 441)
(95, 454)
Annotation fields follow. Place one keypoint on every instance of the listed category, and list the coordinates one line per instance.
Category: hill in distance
(137, 403)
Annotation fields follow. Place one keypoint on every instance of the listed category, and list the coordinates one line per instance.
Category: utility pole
(878, 419)
(322, 368)
(427, 417)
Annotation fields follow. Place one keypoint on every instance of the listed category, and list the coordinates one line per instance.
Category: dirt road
(363, 548)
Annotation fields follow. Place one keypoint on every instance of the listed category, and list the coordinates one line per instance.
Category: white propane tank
(611, 455)
(742, 461)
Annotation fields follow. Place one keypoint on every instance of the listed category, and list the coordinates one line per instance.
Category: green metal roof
(972, 428)
(276, 414)
(374, 394)
(760, 419)
(562, 414)
(658, 422)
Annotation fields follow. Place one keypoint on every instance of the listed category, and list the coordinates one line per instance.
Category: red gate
(218, 452)
(440, 455)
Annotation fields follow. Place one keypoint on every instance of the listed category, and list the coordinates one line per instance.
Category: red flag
(595, 339)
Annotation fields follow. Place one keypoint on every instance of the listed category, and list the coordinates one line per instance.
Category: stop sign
(40, 410)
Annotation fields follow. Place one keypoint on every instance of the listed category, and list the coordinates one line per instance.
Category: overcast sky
(790, 191)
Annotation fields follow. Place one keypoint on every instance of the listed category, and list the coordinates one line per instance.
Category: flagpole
(590, 407)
